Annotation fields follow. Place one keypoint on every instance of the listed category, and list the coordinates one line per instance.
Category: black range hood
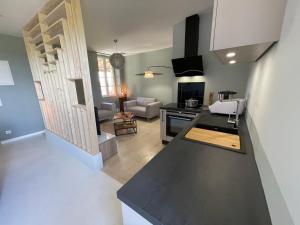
(191, 64)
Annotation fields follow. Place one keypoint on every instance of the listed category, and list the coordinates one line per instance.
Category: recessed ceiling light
(232, 62)
(230, 54)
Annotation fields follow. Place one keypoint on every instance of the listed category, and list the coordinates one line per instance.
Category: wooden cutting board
(230, 141)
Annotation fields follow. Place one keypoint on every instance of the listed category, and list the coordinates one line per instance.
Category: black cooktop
(181, 107)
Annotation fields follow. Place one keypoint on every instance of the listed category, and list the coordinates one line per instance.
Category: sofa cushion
(103, 114)
(137, 109)
(141, 101)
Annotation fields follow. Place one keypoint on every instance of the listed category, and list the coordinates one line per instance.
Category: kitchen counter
(191, 183)
(181, 107)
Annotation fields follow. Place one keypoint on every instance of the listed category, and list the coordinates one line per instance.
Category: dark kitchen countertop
(191, 183)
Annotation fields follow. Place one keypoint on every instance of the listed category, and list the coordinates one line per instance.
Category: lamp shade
(117, 60)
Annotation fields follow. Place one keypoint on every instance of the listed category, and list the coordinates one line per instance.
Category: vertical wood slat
(58, 70)
(66, 84)
(35, 73)
(85, 70)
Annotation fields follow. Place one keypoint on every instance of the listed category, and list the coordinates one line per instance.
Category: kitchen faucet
(236, 120)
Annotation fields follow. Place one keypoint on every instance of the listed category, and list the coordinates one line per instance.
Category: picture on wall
(5, 74)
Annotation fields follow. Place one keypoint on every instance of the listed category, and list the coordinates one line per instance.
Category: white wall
(217, 77)
(274, 119)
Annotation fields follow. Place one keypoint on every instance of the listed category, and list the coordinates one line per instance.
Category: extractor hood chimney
(191, 64)
(191, 35)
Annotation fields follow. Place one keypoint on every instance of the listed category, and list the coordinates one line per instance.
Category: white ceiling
(16, 13)
(139, 25)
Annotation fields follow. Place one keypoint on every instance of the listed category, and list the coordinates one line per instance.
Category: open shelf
(55, 29)
(40, 47)
(54, 40)
(73, 78)
(49, 6)
(36, 30)
(37, 40)
(57, 13)
(32, 23)
(54, 51)
(43, 55)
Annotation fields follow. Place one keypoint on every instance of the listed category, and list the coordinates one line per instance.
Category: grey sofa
(106, 111)
(143, 107)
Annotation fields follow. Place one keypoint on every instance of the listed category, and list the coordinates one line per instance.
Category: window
(106, 77)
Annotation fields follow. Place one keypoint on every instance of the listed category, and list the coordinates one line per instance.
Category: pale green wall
(20, 112)
(159, 87)
(217, 77)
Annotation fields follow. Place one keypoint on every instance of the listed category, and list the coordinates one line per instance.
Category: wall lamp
(150, 74)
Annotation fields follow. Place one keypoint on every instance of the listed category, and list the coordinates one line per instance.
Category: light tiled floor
(134, 150)
(42, 185)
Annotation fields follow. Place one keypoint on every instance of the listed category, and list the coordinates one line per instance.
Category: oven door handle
(180, 118)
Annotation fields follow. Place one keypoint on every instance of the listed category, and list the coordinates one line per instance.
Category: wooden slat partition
(57, 52)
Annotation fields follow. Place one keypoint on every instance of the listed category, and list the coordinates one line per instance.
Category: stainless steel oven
(176, 121)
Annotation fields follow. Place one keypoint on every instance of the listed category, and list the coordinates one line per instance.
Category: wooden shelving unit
(57, 52)
(58, 12)
(40, 47)
(55, 29)
(37, 40)
(54, 51)
(50, 5)
(43, 55)
(35, 31)
(32, 23)
(54, 40)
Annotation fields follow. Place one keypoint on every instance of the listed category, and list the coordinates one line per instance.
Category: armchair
(106, 111)
(143, 107)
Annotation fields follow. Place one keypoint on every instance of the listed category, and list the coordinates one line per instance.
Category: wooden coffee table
(126, 122)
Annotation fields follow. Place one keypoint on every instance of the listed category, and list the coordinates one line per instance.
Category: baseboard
(92, 161)
(22, 137)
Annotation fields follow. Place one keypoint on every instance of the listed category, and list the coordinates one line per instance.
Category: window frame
(106, 85)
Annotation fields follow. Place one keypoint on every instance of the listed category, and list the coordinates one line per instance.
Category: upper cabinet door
(238, 23)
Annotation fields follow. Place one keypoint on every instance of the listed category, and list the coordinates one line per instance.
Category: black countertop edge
(261, 215)
(177, 107)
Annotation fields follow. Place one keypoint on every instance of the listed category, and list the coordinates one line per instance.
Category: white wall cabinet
(246, 27)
